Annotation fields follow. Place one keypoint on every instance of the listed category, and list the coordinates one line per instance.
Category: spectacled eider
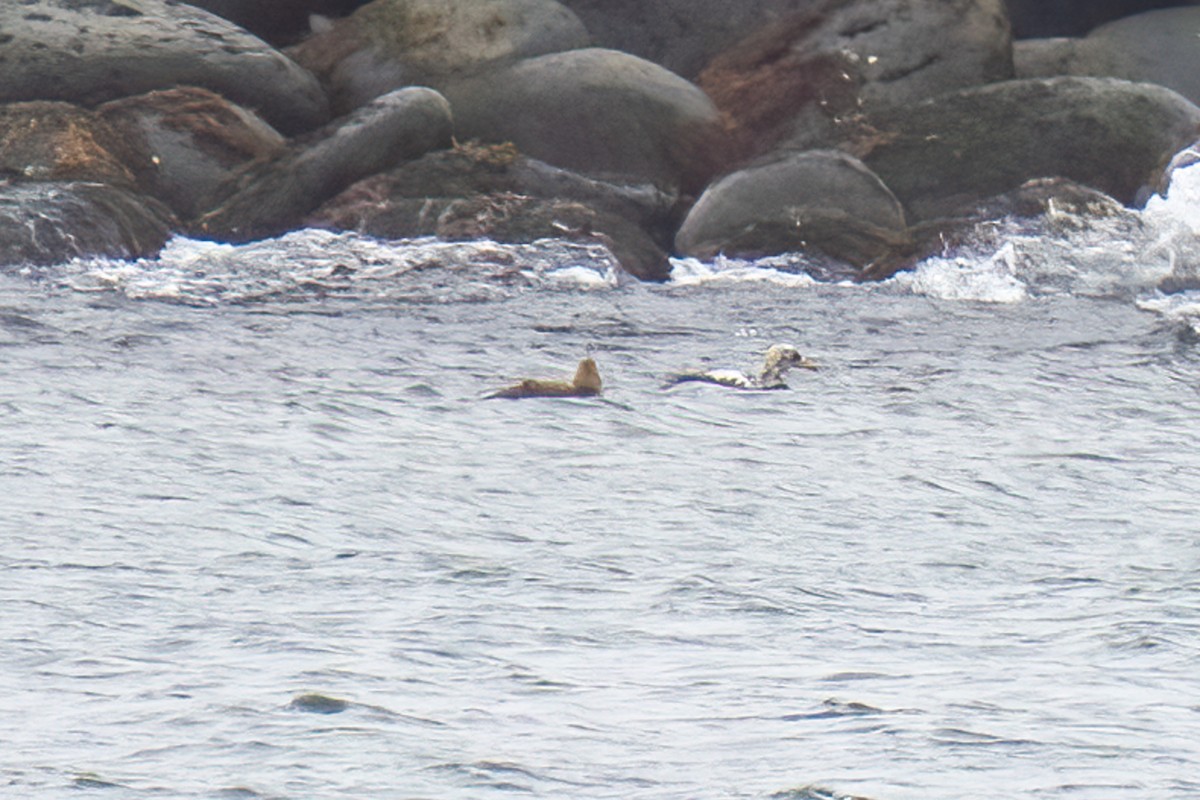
(779, 359)
(585, 384)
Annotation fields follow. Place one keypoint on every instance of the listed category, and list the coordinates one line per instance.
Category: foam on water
(314, 262)
(1182, 201)
(1126, 255)
(993, 281)
(1182, 308)
(785, 270)
(1123, 255)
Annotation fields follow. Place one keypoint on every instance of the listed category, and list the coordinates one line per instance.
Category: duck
(778, 360)
(586, 383)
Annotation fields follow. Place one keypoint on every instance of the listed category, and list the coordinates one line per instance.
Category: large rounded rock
(277, 21)
(191, 141)
(1043, 18)
(51, 141)
(387, 44)
(92, 51)
(597, 112)
(1043, 58)
(824, 201)
(1156, 47)
(494, 192)
(275, 196)
(472, 169)
(52, 222)
(796, 78)
(1115, 136)
(681, 35)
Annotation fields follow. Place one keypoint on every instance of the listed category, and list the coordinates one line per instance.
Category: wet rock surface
(49, 222)
(195, 139)
(273, 196)
(1113, 136)
(819, 201)
(92, 51)
(494, 192)
(598, 112)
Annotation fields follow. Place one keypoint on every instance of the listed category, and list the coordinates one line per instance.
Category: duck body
(734, 379)
(586, 383)
(779, 359)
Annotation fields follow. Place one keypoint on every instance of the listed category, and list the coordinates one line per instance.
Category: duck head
(781, 357)
(587, 377)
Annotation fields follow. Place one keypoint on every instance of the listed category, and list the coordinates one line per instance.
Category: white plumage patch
(726, 377)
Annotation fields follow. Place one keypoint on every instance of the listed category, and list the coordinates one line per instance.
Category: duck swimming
(779, 359)
(586, 383)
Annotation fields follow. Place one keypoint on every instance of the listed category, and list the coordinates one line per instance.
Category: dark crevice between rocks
(904, 72)
(863, 28)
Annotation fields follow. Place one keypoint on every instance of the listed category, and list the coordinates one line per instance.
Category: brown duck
(586, 383)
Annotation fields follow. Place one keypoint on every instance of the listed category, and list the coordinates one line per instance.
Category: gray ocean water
(959, 561)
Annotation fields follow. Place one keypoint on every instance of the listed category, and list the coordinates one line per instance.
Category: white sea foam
(1182, 308)
(1124, 254)
(1182, 201)
(992, 281)
(779, 270)
(310, 263)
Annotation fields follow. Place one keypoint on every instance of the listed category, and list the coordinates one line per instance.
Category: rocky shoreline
(867, 133)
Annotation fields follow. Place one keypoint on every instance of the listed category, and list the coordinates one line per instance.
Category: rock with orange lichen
(806, 77)
(68, 187)
(681, 35)
(194, 139)
(51, 141)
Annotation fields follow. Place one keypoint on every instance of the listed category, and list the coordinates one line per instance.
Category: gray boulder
(684, 35)
(277, 21)
(821, 201)
(799, 77)
(1043, 58)
(387, 44)
(274, 196)
(681, 35)
(1156, 47)
(1050, 18)
(493, 192)
(92, 51)
(1114, 136)
(191, 141)
(598, 112)
(52, 222)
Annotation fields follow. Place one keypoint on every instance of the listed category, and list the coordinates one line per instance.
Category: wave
(312, 263)
(1149, 257)
(1131, 255)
